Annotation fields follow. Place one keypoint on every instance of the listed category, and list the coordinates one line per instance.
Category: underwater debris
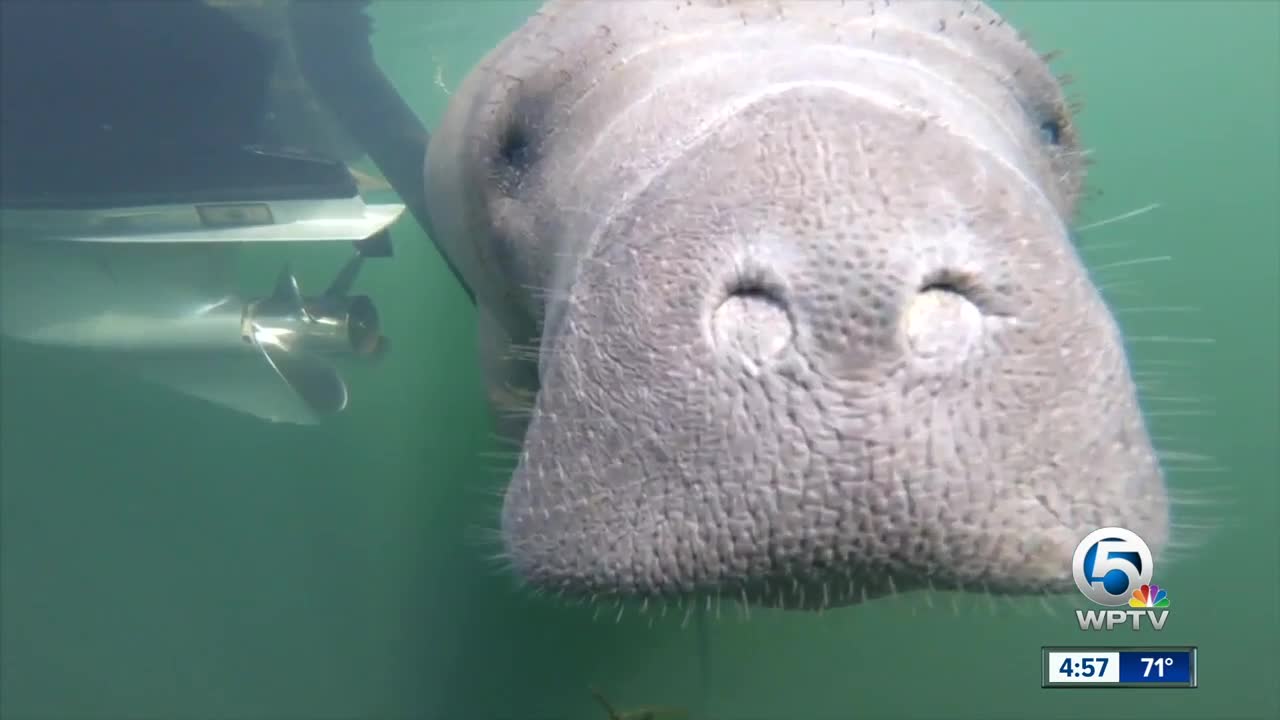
(651, 712)
(367, 182)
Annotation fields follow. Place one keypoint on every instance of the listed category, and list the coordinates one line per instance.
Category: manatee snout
(811, 326)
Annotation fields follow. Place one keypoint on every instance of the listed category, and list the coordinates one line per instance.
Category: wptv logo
(1112, 567)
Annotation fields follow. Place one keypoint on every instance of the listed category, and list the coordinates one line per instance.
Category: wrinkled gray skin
(805, 322)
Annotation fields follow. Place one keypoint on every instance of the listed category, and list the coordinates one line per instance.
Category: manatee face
(810, 325)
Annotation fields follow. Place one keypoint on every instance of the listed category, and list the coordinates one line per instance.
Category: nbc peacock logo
(1112, 568)
(1149, 596)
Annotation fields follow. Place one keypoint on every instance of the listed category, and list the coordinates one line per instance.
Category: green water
(166, 560)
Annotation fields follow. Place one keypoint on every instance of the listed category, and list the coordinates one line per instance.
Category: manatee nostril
(943, 320)
(942, 287)
(753, 322)
(956, 282)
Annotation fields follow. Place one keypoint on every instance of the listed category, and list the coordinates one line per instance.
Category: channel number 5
(1114, 555)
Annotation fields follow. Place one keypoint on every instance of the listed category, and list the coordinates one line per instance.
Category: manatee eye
(512, 157)
(513, 150)
(1051, 132)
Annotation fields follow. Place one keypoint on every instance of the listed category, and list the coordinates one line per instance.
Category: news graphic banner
(1164, 667)
(1113, 569)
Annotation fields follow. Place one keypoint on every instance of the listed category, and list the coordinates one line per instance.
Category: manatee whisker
(1170, 339)
(1118, 218)
(1188, 469)
(1130, 263)
(1175, 399)
(1114, 287)
(1186, 456)
(1093, 248)
(1151, 309)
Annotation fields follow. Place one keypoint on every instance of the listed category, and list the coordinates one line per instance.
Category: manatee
(787, 297)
